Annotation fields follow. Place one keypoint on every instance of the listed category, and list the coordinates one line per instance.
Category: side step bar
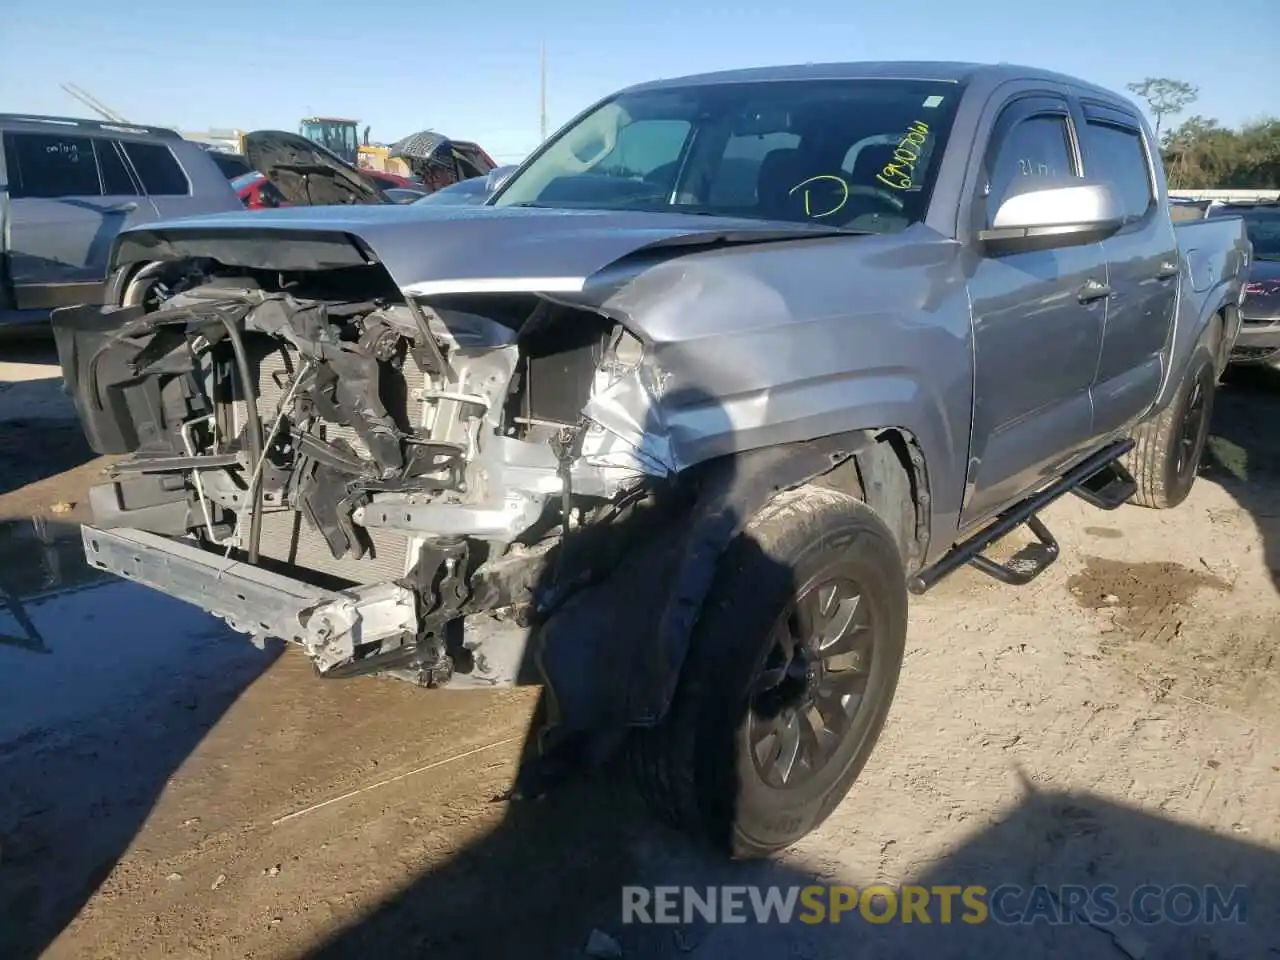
(1109, 488)
(1099, 480)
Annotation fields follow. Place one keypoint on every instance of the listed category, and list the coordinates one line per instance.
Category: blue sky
(400, 66)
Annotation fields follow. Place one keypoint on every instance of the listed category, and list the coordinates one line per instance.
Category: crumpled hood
(305, 172)
(434, 249)
(1262, 290)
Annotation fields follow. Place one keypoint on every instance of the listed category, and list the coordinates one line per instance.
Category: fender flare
(737, 489)
(610, 657)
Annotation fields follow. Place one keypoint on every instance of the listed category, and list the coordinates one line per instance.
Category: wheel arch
(631, 682)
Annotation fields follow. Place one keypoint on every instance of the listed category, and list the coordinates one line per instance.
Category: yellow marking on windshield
(844, 194)
(899, 173)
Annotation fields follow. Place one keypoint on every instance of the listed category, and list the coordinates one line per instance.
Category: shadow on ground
(552, 873)
(39, 434)
(105, 689)
(33, 449)
(1243, 453)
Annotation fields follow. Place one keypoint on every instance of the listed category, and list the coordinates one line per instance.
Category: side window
(1036, 147)
(736, 177)
(50, 166)
(1116, 154)
(158, 169)
(116, 181)
(645, 147)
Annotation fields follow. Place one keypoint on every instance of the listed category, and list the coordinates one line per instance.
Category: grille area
(287, 536)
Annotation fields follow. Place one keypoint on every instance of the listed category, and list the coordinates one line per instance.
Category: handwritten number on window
(899, 173)
(71, 151)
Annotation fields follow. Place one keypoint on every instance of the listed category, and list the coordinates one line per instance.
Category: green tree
(1165, 97)
(1202, 154)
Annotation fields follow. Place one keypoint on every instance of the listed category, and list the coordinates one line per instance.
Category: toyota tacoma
(674, 422)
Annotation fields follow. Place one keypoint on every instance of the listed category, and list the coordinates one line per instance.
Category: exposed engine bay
(413, 463)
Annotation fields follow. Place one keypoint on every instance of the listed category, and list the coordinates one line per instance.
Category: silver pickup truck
(677, 418)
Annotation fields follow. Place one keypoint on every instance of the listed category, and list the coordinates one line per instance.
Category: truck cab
(335, 134)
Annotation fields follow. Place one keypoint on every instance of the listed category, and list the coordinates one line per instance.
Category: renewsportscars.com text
(971, 904)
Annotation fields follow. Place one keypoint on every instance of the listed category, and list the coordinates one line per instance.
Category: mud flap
(610, 656)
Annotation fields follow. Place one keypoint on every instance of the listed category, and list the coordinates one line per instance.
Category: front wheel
(788, 681)
(1166, 454)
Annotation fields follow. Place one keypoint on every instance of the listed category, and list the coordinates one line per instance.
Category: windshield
(857, 154)
(1262, 224)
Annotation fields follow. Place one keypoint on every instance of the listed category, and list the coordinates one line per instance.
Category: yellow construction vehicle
(339, 135)
(335, 134)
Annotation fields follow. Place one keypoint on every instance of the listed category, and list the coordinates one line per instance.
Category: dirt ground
(1116, 721)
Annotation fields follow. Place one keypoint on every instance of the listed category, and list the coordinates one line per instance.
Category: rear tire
(1166, 456)
(788, 680)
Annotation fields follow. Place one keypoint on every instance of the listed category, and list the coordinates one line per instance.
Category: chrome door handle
(1093, 290)
(127, 207)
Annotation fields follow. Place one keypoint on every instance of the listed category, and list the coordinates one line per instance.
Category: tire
(696, 769)
(1165, 458)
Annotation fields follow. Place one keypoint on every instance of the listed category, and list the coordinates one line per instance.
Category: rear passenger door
(1037, 319)
(70, 194)
(162, 177)
(1142, 261)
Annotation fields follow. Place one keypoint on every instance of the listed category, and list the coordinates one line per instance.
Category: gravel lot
(168, 790)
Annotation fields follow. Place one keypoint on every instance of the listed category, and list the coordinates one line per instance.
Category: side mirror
(498, 176)
(1058, 215)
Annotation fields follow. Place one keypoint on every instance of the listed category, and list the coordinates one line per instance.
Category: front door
(1037, 324)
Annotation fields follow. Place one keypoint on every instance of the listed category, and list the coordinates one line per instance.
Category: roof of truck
(946, 71)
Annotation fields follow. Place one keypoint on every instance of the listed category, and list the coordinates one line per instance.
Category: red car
(257, 192)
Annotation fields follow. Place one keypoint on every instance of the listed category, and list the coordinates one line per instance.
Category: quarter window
(1038, 147)
(1116, 154)
(158, 169)
(51, 166)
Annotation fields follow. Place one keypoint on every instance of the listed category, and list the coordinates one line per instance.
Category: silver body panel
(1001, 374)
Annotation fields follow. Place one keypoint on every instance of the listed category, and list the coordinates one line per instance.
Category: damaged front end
(315, 457)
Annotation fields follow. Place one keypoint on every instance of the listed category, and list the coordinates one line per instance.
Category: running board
(1109, 488)
(1100, 478)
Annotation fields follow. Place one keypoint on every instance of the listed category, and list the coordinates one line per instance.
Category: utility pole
(542, 120)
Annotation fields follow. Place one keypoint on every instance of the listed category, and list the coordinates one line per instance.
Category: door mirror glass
(1058, 215)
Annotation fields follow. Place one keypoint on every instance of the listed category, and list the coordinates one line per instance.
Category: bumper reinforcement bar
(328, 623)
